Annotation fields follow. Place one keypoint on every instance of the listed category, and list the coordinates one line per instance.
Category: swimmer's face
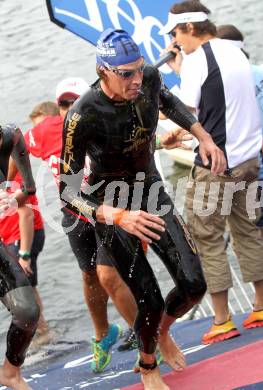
(123, 82)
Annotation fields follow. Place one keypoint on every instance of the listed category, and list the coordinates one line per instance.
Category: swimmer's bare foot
(172, 355)
(10, 376)
(152, 380)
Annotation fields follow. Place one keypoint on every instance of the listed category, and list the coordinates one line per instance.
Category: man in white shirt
(217, 84)
(234, 36)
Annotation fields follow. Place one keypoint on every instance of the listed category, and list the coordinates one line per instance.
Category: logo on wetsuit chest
(137, 138)
(68, 154)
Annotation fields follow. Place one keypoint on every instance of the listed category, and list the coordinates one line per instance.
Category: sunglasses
(66, 103)
(126, 73)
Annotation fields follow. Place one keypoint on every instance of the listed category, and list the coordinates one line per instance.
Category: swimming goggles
(126, 73)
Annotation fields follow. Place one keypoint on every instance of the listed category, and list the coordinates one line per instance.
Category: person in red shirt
(23, 232)
(27, 245)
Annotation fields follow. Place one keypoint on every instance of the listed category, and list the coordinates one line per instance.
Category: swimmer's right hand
(139, 223)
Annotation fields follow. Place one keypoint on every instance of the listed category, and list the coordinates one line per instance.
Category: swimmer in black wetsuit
(115, 124)
(15, 290)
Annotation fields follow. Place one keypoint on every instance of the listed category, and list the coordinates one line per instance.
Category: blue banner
(140, 18)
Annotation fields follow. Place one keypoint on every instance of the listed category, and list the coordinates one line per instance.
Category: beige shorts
(213, 201)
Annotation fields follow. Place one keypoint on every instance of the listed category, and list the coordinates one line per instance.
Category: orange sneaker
(222, 332)
(254, 320)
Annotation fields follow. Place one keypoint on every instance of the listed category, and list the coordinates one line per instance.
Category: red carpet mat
(240, 367)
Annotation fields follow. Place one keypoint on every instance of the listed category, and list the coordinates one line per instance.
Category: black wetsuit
(15, 290)
(119, 138)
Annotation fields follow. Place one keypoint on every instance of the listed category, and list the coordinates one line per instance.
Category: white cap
(72, 86)
(185, 17)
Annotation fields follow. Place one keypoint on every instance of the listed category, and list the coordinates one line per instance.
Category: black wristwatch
(25, 255)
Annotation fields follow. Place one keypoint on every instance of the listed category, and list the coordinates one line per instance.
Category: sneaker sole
(222, 337)
(254, 324)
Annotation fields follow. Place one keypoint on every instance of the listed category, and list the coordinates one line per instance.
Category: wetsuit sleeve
(172, 107)
(72, 162)
(21, 158)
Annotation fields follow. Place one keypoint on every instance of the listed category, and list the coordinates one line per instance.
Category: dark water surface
(35, 56)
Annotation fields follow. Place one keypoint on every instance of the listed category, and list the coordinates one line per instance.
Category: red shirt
(9, 226)
(45, 141)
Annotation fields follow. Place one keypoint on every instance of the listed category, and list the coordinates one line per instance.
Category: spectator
(216, 83)
(23, 232)
(234, 36)
(23, 235)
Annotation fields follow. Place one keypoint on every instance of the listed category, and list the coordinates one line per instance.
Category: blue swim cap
(116, 47)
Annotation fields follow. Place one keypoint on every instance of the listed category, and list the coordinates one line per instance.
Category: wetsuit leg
(178, 252)
(179, 255)
(127, 255)
(17, 295)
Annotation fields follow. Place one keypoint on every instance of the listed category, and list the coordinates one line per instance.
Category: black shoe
(129, 341)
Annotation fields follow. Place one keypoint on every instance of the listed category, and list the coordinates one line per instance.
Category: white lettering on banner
(115, 11)
(148, 23)
(142, 27)
(95, 20)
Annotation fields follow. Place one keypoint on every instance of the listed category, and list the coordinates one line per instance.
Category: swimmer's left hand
(145, 226)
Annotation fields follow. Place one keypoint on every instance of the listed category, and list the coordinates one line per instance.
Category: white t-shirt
(217, 80)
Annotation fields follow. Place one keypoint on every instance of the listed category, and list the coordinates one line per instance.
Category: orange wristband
(118, 216)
